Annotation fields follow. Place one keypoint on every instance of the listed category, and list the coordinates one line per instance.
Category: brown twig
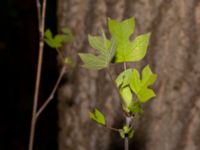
(51, 96)
(38, 5)
(41, 21)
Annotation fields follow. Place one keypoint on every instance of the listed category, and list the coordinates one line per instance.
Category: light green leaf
(106, 50)
(121, 133)
(126, 129)
(136, 107)
(138, 48)
(48, 34)
(57, 40)
(123, 78)
(98, 117)
(121, 30)
(67, 34)
(127, 96)
(140, 87)
(127, 51)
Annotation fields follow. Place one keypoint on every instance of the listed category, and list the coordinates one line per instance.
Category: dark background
(18, 59)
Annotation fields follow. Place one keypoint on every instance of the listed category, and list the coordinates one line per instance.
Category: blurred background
(171, 120)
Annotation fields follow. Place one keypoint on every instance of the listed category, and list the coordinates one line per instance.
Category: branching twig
(41, 21)
(51, 96)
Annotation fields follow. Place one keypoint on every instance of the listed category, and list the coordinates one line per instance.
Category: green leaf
(131, 134)
(67, 34)
(140, 87)
(57, 40)
(127, 51)
(121, 30)
(98, 117)
(48, 34)
(138, 48)
(127, 97)
(121, 133)
(123, 78)
(136, 107)
(126, 130)
(105, 49)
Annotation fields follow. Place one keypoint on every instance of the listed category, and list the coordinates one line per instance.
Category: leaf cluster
(134, 88)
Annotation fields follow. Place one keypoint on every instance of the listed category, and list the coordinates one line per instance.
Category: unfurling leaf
(126, 131)
(141, 86)
(127, 97)
(123, 78)
(126, 50)
(98, 117)
(105, 49)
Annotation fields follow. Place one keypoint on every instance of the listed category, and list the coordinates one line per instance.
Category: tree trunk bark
(172, 120)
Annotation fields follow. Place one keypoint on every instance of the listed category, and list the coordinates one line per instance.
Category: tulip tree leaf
(57, 40)
(105, 49)
(98, 117)
(126, 50)
(140, 86)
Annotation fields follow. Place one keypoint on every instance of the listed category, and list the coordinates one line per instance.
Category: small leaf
(131, 134)
(140, 87)
(121, 133)
(126, 129)
(127, 96)
(136, 107)
(57, 40)
(98, 117)
(48, 34)
(68, 35)
(106, 50)
(123, 79)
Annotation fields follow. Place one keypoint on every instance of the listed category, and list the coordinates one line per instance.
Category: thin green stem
(113, 83)
(111, 128)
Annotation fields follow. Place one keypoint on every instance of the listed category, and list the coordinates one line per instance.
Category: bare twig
(51, 96)
(38, 5)
(41, 19)
(126, 143)
(113, 129)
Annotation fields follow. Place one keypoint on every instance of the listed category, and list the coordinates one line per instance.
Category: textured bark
(172, 120)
